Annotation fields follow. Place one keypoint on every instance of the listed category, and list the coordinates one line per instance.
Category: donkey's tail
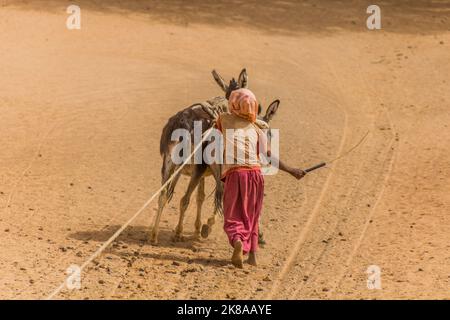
(218, 199)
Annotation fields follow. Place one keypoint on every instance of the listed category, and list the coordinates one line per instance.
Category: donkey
(205, 112)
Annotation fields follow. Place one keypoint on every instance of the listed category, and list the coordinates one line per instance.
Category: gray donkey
(205, 112)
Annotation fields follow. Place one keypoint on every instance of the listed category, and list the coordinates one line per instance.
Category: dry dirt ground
(82, 112)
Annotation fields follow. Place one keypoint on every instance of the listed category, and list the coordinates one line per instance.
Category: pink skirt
(242, 205)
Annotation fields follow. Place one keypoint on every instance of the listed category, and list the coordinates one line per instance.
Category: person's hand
(298, 173)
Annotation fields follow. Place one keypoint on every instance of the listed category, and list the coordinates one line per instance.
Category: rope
(323, 164)
(350, 150)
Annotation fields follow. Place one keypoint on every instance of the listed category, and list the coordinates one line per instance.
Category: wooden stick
(317, 166)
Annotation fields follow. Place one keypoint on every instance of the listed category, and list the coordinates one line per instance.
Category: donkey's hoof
(206, 230)
(153, 238)
(178, 238)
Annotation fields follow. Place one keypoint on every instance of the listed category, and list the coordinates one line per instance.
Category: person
(243, 180)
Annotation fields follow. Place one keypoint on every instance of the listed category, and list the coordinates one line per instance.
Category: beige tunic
(242, 141)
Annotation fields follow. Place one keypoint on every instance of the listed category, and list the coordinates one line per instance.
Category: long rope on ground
(126, 224)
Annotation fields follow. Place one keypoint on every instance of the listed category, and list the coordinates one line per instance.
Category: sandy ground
(82, 112)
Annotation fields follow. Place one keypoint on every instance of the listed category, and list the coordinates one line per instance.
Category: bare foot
(252, 259)
(237, 257)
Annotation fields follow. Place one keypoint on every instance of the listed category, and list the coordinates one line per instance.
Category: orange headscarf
(243, 103)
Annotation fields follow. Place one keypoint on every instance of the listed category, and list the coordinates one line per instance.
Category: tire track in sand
(380, 196)
(367, 222)
(313, 266)
(287, 266)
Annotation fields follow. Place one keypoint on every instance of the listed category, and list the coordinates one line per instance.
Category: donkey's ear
(271, 110)
(243, 79)
(219, 81)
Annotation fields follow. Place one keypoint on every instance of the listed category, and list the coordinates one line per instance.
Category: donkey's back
(204, 112)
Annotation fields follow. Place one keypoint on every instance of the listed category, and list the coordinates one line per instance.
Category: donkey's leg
(200, 200)
(167, 170)
(207, 228)
(218, 198)
(184, 203)
(161, 204)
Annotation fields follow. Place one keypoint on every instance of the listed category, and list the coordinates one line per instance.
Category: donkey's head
(242, 82)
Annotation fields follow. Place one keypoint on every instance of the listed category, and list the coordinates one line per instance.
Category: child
(244, 183)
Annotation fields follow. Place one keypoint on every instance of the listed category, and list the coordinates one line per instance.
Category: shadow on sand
(137, 235)
(272, 16)
(134, 235)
